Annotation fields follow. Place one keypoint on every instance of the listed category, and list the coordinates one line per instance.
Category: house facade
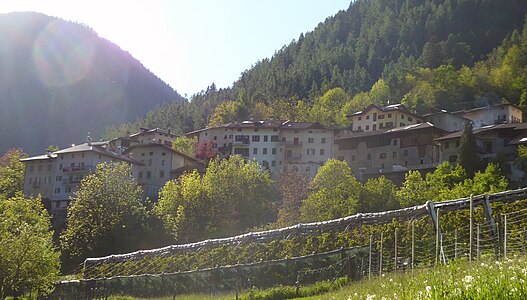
(374, 118)
(503, 113)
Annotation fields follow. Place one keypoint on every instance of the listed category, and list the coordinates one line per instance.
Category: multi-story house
(272, 143)
(56, 176)
(502, 113)
(158, 163)
(447, 121)
(494, 142)
(390, 152)
(374, 118)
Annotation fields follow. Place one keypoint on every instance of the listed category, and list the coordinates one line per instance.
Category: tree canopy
(29, 261)
(11, 173)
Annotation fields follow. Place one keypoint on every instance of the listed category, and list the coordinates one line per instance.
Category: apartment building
(395, 150)
(272, 143)
(492, 141)
(447, 121)
(502, 113)
(158, 163)
(374, 118)
(56, 176)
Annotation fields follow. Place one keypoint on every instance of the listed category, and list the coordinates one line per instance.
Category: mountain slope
(59, 81)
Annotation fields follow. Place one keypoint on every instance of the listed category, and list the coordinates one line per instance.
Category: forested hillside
(59, 81)
(448, 54)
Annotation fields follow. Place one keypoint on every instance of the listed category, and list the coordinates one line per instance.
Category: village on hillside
(382, 141)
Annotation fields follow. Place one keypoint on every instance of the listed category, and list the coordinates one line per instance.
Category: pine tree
(467, 153)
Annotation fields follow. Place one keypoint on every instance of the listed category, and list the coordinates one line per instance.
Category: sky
(191, 44)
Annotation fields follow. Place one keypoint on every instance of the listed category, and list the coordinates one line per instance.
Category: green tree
(489, 181)
(11, 173)
(185, 145)
(443, 179)
(378, 194)
(224, 113)
(327, 108)
(29, 260)
(106, 215)
(414, 190)
(231, 197)
(467, 154)
(334, 193)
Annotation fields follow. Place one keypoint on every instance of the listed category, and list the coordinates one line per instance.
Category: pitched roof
(97, 148)
(408, 128)
(386, 108)
(144, 130)
(147, 145)
(476, 131)
(40, 157)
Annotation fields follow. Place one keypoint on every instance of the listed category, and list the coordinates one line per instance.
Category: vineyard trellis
(358, 246)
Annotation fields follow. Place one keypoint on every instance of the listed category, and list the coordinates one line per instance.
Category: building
(374, 118)
(272, 143)
(389, 151)
(503, 113)
(494, 142)
(446, 121)
(56, 176)
(158, 163)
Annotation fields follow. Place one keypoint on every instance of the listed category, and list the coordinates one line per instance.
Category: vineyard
(358, 247)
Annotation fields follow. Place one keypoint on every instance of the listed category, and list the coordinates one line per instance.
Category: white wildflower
(370, 297)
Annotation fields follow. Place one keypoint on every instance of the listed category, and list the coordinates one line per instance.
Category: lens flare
(61, 55)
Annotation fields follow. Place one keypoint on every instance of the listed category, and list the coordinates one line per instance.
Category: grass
(486, 279)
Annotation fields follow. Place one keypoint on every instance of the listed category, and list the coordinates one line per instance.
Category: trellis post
(380, 257)
(369, 260)
(477, 242)
(505, 237)
(413, 244)
(488, 215)
(471, 228)
(437, 236)
(395, 251)
(455, 244)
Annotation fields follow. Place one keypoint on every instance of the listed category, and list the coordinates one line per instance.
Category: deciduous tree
(11, 173)
(29, 260)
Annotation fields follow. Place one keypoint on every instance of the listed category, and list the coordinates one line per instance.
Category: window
(264, 150)
(58, 178)
(162, 162)
(255, 151)
(266, 138)
(255, 138)
(381, 125)
(310, 131)
(381, 117)
(402, 117)
(402, 124)
(295, 141)
(457, 144)
(421, 161)
(323, 140)
(382, 156)
(273, 151)
(273, 163)
(367, 117)
(310, 151)
(410, 119)
(142, 154)
(394, 154)
(148, 175)
(274, 138)
(447, 145)
(367, 127)
(389, 115)
(374, 117)
(215, 137)
(161, 174)
(353, 157)
(73, 155)
(230, 136)
(225, 137)
(374, 127)
(360, 118)
(163, 153)
(310, 140)
(394, 142)
(140, 175)
(369, 156)
(60, 167)
(151, 153)
(389, 124)
(68, 190)
(359, 128)
(321, 151)
(57, 190)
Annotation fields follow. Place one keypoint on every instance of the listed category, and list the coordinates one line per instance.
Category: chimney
(88, 139)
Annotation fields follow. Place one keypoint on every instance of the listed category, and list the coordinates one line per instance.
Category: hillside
(60, 80)
(448, 54)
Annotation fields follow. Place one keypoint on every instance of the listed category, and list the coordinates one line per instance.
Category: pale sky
(191, 44)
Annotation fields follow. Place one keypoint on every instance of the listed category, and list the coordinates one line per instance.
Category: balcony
(293, 156)
(74, 181)
(241, 140)
(73, 169)
(293, 144)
